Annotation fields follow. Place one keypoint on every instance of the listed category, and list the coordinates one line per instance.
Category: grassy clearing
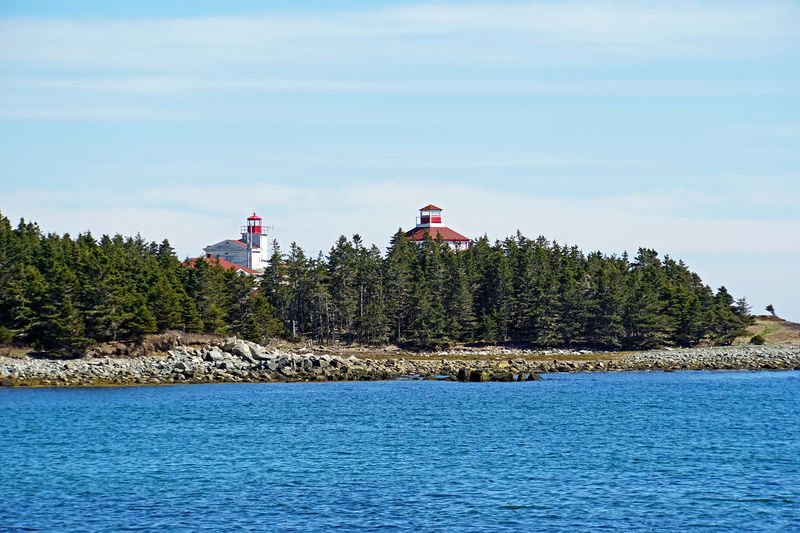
(774, 330)
(14, 351)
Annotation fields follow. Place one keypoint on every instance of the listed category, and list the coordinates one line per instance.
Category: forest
(64, 294)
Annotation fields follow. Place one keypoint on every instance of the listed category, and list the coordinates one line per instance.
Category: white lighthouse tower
(253, 235)
(248, 254)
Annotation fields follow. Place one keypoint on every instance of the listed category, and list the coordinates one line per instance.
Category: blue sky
(610, 125)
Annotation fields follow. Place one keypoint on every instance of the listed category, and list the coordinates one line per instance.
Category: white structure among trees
(250, 251)
(429, 222)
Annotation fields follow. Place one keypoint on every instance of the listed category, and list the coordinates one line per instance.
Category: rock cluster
(239, 361)
(469, 351)
(743, 357)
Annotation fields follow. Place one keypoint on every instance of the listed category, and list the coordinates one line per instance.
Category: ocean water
(716, 451)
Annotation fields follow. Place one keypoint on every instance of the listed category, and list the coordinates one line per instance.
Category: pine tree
(424, 331)
(273, 280)
(190, 317)
(606, 300)
(342, 280)
(166, 305)
(727, 321)
(297, 290)
(65, 329)
(400, 268)
(371, 325)
(261, 323)
(214, 322)
(493, 290)
(647, 323)
(429, 293)
(457, 298)
(142, 322)
(321, 318)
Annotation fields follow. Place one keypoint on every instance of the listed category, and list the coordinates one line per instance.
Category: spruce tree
(399, 271)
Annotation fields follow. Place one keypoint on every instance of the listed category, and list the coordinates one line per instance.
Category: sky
(609, 124)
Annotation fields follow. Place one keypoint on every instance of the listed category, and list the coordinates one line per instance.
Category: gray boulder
(213, 354)
(241, 349)
(259, 352)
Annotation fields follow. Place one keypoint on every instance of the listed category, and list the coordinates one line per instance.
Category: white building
(250, 251)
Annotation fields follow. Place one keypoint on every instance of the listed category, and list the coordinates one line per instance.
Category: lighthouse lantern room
(251, 236)
(430, 215)
(429, 222)
(252, 232)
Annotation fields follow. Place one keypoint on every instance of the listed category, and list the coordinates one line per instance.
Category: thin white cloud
(117, 69)
(315, 216)
(169, 84)
(523, 33)
(172, 84)
(160, 98)
(73, 112)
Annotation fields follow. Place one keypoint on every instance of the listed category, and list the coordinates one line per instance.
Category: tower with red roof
(252, 235)
(248, 252)
(430, 222)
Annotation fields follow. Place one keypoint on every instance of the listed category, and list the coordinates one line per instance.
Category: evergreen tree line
(522, 291)
(60, 293)
(65, 294)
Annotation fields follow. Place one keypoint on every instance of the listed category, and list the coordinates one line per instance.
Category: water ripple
(630, 452)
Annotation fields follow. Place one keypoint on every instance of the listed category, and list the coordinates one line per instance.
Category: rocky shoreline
(235, 361)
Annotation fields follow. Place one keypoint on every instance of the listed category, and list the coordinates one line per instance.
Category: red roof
(430, 207)
(234, 241)
(254, 217)
(418, 234)
(227, 265)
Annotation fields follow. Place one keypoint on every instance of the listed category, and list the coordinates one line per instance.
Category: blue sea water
(678, 451)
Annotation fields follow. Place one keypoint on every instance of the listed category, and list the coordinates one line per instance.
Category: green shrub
(5, 335)
(758, 339)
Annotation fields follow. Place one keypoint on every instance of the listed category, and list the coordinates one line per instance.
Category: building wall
(259, 259)
(237, 253)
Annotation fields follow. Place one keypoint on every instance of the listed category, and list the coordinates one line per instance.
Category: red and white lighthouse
(249, 252)
(252, 235)
(430, 222)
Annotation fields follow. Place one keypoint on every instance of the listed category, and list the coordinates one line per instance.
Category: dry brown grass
(9, 350)
(774, 330)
